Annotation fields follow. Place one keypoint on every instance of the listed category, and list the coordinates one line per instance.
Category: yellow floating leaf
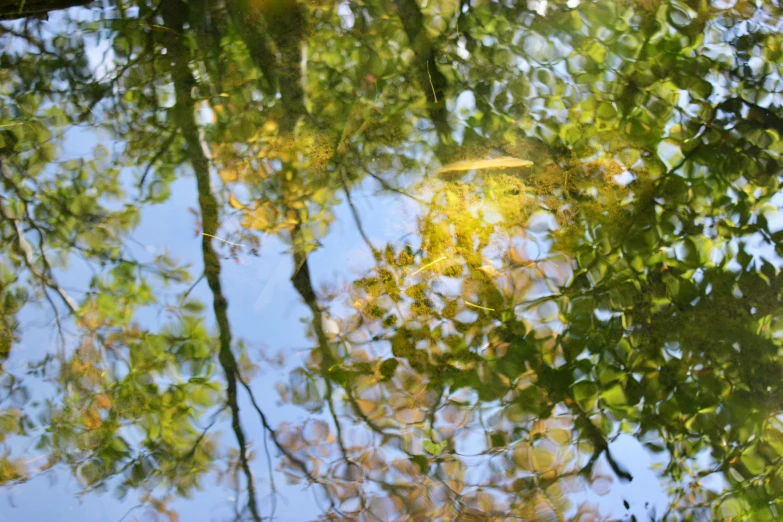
(505, 162)
(456, 485)
(234, 202)
(521, 456)
(366, 406)
(489, 270)
(228, 174)
(559, 436)
(515, 258)
(541, 458)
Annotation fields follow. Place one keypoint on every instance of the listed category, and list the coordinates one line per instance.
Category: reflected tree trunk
(173, 15)
(15, 9)
(430, 79)
(252, 30)
(278, 57)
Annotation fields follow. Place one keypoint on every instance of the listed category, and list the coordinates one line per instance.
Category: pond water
(391, 260)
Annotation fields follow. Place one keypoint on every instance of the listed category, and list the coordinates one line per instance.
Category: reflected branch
(163, 149)
(338, 427)
(204, 433)
(299, 463)
(43, 276)
(601, 446)
(355, 214)
(396, 190)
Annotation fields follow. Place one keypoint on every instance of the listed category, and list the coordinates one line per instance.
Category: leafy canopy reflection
(626, 283)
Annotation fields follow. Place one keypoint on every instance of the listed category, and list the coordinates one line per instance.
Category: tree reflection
(627, 283)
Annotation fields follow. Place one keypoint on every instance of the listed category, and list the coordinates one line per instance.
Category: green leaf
(434, 448)
(614, 396)
(585, 394)
(193, 306)
(388, 367)
(692, 258)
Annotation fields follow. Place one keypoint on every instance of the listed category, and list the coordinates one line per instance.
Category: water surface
(403, 260)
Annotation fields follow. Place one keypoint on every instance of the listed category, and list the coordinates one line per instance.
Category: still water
(391, 260)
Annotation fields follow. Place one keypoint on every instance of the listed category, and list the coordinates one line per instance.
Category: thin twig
(204, 432)
(478, 306)
(164, 148)
(390, 188)
(131, 510)
(337, 426)
(272, 435)
(271, 476)
(431, 86)
(223, 240)
(195, 283)
(442, 258)
(355, 213)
